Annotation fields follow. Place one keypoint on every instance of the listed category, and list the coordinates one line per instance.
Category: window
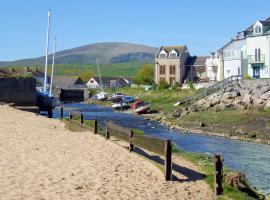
(162, 55)
(173, 55)
(257, 54)
(258, 30)
(172, 80)
(172, 69)
(228, 72)
(162, 70)
(239, 71)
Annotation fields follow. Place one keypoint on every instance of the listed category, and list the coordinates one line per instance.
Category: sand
(41, 160)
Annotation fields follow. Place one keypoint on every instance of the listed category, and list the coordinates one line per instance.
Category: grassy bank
(205, 164)
(246, 124)
(160, 99)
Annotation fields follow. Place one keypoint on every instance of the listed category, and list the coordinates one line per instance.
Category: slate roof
(178, 48)
(196, 61)
(66, 81)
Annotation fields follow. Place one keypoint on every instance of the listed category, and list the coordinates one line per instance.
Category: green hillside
(107, 53)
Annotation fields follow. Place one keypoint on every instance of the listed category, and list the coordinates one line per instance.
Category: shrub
(163, 84)
(252, 135)
(190, 85)
(247, 77)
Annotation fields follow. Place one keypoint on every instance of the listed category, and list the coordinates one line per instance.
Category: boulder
(193, 108)
(244, 92)
(259, 104)
(237, 102)
(201, 102)
(267, 105)
(227, 95)
(247, 99)
(176, 113)
(184, 112)
(215, 101)
(235, 94)
(264, 89)
(207, 105)
(265, 96)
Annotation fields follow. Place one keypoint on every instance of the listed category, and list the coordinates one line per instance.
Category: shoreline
(158, 117)
(199, 131)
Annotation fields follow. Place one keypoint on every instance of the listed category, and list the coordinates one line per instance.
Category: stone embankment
(239, 97)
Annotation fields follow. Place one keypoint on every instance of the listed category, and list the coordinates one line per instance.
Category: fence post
(131, 145)
(95, 127)
(62, 113)
(168, 160)
(218, 174)
(70, 118)
(82, 120)
(107, 134)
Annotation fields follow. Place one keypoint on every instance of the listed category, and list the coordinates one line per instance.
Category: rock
(176, 113)
(184, 112)
(265, 96)
(237, 102)
(207, 105)
(247, 99)
(235, 93)
(201, 102)
(244, 92)
(193, 108)
(215, 101)
(240, 132)
(259, 104)
(264, 89)
(227, 95)
(267, 105)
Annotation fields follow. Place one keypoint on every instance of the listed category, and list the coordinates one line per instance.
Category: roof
(196, 61)
(265, 23)
(178, 48)
(66, 81)
(108, 80)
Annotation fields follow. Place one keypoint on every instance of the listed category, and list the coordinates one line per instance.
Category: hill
(107, 53)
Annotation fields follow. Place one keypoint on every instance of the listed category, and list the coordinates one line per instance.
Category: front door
(256, 72)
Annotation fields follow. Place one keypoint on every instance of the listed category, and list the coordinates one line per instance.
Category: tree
(145, 75)
(85, 76)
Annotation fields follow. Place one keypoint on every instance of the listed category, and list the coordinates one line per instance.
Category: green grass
(160, 99)
(125, 69)
(137, 132)
(205, 164)
(222, 117)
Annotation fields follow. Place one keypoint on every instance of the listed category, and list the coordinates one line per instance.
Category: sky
(202, 25)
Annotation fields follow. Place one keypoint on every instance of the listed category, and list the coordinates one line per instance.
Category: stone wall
(21, 91)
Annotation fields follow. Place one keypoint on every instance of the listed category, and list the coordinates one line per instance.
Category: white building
(247, 54)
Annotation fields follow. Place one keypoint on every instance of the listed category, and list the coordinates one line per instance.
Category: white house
(247, 54)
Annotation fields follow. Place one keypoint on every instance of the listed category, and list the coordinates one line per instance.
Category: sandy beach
(40, 159)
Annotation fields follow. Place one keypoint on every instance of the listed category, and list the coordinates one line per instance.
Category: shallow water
(249, 158)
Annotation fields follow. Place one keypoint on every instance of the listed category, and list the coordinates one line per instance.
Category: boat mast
(54, 51)
(46, 55)
(99, 75)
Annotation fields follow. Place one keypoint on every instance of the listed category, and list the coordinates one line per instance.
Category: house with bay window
(170, 64)
(247, 54)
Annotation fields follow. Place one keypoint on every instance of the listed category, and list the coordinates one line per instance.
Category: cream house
(170, 64)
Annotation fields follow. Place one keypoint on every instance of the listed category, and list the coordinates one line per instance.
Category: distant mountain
(107, 53)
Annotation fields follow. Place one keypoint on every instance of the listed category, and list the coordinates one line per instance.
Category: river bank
(199, 127)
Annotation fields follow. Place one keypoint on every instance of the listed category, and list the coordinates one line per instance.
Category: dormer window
(163, 54)
(173, 54)
(258, 29)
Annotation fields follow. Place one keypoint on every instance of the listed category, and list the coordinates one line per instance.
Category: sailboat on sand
(45, 100)
(101, 96)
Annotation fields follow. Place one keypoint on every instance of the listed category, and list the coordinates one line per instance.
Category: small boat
(142, 108)
(117, 95)
(102, 96)
(120, 106)
(136, 104)
(128, 99)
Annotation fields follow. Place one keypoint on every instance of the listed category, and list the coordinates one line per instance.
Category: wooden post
(96, 126)
(82, 120)
(131, 145)
(218, 174)
(168, 160)
(70, 118)
(62, 113)
(107, 134)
